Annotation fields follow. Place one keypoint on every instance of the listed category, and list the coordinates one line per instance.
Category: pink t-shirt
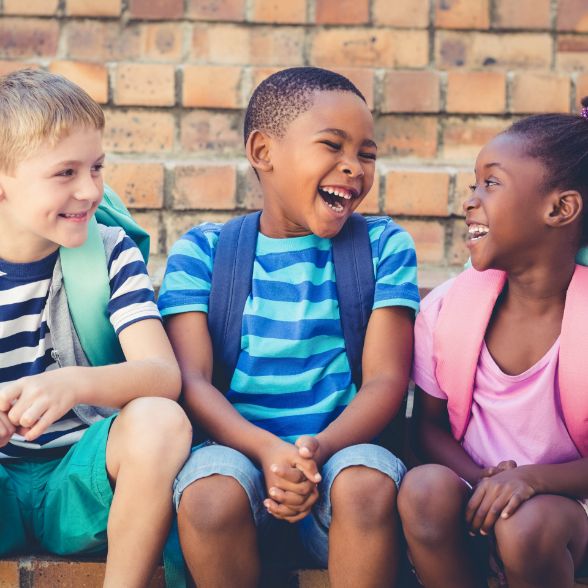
(513, 417)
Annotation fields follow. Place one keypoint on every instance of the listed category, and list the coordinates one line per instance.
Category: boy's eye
(66, 172)
(332, 145)
(98, 168)
(371, 156)
(473, 187)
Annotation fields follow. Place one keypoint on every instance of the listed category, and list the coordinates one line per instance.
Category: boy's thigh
(78, 496)
(314, 529)
(13, 526)
(212, 459)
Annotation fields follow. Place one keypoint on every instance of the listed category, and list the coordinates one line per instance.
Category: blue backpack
(231, 285)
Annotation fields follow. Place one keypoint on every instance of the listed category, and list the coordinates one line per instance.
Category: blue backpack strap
(354, 272)
(231, 285)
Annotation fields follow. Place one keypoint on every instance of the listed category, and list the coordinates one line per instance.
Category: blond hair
(38, 107)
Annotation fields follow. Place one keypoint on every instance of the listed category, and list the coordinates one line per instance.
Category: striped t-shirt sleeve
(188, 275)
(131, 293)
(395, 265)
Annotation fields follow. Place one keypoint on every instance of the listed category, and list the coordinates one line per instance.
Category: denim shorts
(212, 459)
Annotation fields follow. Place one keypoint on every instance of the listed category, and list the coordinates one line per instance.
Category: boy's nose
(352, 169)
(471, 203)
(89, 188)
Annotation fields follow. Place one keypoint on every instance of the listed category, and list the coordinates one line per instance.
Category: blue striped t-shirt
(292, 376)
(26, 348)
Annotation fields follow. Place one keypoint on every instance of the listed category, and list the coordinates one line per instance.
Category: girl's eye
(332, 145)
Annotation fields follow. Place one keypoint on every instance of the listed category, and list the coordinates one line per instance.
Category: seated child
(291, 439)
(499, 409)
(74, 472)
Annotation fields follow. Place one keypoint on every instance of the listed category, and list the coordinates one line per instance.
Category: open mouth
(477, 232)
(74, 216)
(336, 197)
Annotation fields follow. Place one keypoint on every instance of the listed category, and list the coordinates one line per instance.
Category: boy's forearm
(568, 479)
(116, 385)
(366, 416)
(208, 408)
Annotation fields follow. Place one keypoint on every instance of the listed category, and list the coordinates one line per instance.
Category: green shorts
(60, 505)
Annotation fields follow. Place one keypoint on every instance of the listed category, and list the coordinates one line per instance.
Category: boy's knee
(213, 505)
(364, 496)
(155, 427)
(431, 497)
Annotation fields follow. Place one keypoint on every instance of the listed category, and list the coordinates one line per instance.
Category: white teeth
(336, 207)
(338, 193)
(477, 231)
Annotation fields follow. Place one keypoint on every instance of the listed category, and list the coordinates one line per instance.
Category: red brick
(31, 7)
(28, 37)
(429, 237)
(572, 15)
(136, 131)
(462, 14)
(92, 77)
(212, 87)
(224, 44)
(203, 186)
(458, 252)
(232, 10)
(363, 78)
(93, 7)
(145, 84)
(411, 91)
(417, 192)
(572, 53)
(476, 91)
(407, 136)
(204, 132)
(151, 222)
(92, 40)
(161, 41)
(522, 14)
(7, 67)
(282, 46)
(413, 14)
(369, 47)
(259, 74)
(464, 137)
(291, 12)
(371, 203)
(9, 573)
(342, 11)
(540, 92)
(156, 9)
(481, 50)
(463, 180)
(140, 185)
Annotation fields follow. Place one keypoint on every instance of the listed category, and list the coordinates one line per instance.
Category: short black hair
(560, 143)
(285, 95)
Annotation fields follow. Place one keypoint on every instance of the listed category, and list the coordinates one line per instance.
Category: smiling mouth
(336, 197)
(477, 232)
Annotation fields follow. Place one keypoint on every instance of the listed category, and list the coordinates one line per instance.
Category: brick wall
(442, 77)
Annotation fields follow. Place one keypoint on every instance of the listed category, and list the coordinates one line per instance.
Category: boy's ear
(564, 208)
(258, 151)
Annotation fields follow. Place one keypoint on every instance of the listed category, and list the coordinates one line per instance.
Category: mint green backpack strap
(86, 281)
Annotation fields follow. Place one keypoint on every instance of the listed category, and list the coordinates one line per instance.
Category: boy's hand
(501, 467)
(497, 496)
(7, 429)
(291, 493)
(36, 402)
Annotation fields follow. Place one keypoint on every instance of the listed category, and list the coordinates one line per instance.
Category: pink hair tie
(584, 112)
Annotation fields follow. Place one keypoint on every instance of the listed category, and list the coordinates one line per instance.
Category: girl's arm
(434, 440)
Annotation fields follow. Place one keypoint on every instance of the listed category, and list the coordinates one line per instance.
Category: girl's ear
(258, 151)
(564, 208)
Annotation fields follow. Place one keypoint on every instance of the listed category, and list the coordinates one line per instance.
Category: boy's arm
(386, 364)
(150, 370)
(209, 408)
(434, 440)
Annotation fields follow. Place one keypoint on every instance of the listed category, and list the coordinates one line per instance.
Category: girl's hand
(497, 496)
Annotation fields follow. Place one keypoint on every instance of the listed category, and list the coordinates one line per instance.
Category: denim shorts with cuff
(212, 459)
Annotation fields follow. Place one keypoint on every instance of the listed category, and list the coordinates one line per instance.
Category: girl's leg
(543, 542)
(431, 504)
(218, 534)
(148, 443)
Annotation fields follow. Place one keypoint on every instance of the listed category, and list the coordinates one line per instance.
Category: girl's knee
(216, 504)
(364, 495)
